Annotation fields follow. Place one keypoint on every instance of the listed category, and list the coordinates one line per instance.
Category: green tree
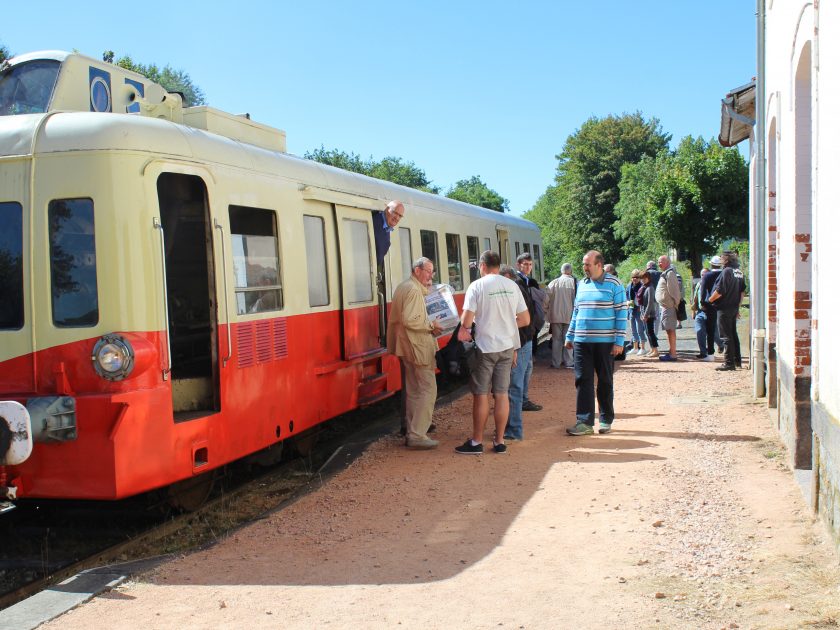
(582, 216)
(169, 78)
(340, 159)
(4, 53)
(392, 169)
(697, 198)
(476, 192)
(544, 213)
(634, 226)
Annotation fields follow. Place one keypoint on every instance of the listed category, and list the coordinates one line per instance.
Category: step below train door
(192, 316)
(362, 324)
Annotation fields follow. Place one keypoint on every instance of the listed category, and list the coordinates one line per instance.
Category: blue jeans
(637, 326)
(528, 369)
(516, 391)
(593, 359)
(705, 326)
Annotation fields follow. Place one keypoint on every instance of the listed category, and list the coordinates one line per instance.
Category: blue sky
(460, 88)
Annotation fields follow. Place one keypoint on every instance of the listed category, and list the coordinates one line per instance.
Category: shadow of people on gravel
(396, 516)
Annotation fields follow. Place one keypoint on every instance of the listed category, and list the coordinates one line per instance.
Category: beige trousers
(420, 396)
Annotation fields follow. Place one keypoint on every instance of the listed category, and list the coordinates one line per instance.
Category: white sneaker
(709, 357)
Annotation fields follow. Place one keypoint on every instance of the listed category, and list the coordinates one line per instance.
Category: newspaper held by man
(440, 306)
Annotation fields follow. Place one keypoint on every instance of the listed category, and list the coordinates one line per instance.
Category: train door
(361, 296)
(192, 319)
(504, 245)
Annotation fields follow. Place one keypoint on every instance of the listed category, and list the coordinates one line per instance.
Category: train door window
(487, 245)
(526, 248)
(357, 262)
(11, 266)
(537, 263)
(316, 261)
(256, 260)
(516, 244)
(405, 252)
(453, 261)
(429, 249)
(473, 255)
(73, 263)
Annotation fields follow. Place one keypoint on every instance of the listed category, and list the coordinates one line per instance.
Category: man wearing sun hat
(708, 311)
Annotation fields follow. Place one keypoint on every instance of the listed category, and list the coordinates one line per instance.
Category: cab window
(11, 266)
(73, 263)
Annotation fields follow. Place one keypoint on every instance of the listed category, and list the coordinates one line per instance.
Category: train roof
(59, 132)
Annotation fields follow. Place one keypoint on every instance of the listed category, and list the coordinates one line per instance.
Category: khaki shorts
(668, 318)
(491, 372)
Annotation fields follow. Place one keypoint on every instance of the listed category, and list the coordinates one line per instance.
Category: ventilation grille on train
(261, 342)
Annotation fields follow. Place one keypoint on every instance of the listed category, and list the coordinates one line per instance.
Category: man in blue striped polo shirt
(596, 333)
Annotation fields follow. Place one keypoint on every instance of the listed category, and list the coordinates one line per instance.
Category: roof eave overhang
(737, 115)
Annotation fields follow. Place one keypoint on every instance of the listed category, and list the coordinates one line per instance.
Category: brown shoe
(423, 444)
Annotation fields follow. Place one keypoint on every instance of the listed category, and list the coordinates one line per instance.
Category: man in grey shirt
(561, 303)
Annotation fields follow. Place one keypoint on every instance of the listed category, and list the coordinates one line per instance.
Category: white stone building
(795, 217)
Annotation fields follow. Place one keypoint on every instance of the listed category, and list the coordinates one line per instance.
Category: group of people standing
(502, 314)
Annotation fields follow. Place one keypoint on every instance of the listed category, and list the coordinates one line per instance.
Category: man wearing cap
(727, 295)
(708, 311)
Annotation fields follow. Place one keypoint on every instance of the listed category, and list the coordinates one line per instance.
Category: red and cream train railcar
(177, 291)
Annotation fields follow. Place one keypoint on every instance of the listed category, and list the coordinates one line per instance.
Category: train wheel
(190, 494)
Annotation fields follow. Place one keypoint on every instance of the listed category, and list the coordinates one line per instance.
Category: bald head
(664, 262)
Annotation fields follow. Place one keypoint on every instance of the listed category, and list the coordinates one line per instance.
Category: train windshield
(27, 88)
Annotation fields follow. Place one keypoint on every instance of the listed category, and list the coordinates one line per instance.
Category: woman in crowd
(637, 328)
(647, 304)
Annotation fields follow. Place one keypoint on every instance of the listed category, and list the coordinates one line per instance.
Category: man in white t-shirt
(495, 304)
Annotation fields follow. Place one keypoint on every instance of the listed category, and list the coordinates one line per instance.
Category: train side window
(516, 244)
(256, 260)
(73, 263)
(453, 258)
(526, 248)
(316, 261)
(356, 262)
(537, 263)
(429, 249)
(487, 246)
(11, 266)
(405, 252)
(473, 255)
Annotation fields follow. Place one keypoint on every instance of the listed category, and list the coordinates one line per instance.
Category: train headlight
(113, 357)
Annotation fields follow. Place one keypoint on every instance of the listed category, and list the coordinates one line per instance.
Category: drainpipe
(759, 251)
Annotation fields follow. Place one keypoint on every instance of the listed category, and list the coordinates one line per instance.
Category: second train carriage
(178, 291)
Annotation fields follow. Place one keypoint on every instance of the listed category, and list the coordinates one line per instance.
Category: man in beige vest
(411, 337)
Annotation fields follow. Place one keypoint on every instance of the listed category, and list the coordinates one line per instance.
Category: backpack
(539, 296)
(640, 296)
(454, 358)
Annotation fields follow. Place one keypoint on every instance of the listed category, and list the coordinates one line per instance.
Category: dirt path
(685, 516)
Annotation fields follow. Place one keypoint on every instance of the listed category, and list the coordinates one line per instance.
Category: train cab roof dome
(54, 80)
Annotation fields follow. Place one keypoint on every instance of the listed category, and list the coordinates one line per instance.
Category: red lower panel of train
(284, 376)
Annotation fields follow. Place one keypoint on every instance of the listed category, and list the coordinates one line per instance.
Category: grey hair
(507, 270)
(421, 262)
(566, 268)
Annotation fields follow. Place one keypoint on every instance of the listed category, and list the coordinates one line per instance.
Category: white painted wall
(791, 27)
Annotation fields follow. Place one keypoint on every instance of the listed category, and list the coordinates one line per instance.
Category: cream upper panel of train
(47, 81)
